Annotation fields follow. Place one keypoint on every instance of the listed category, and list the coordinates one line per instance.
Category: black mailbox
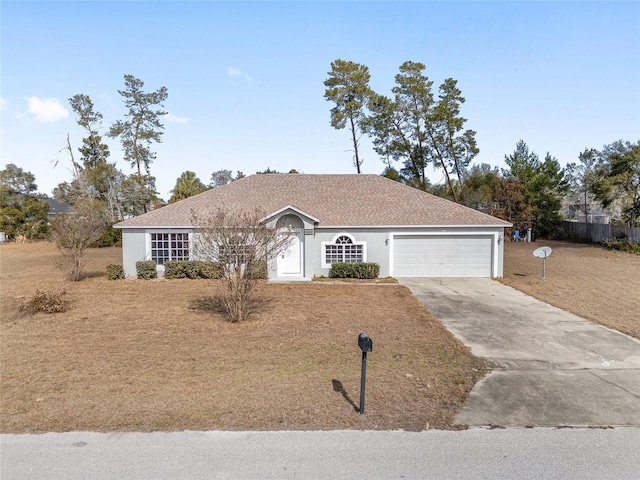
(365, 343)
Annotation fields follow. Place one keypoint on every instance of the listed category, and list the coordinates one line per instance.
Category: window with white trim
(236, 253)
(169, 246)
(343, 249)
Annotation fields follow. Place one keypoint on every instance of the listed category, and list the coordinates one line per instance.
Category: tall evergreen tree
(141, 126)
(618, 179)
(419, 130)
(348, 87)
(543, 185)
(581, 177)
(95, 175)
(93, 151)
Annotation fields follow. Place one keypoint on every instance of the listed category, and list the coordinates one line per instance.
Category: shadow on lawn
(337, 387)
(215, 304)
(93, 274)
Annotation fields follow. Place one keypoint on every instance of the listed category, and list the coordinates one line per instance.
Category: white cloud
(47, 110)
(234, 72)
(3, 103)
(170, 117)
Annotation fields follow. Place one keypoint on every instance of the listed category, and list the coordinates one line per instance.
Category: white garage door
(442, 256)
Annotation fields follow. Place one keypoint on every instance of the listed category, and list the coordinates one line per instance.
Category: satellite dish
(542, 252)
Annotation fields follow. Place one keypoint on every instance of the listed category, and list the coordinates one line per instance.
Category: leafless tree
(75, 231)
(242, 242)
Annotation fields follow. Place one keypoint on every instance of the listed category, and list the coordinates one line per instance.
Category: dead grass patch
(45, 301)
(134, 355)
(588, 280)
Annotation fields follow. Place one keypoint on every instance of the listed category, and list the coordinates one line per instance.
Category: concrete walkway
(550, 367)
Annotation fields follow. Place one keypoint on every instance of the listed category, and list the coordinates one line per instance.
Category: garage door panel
(442, 256)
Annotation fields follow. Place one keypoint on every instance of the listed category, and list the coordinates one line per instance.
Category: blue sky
(245, 79)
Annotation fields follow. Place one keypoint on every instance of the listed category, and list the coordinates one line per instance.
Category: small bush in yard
(46, 301)
(366, 270)
(259, 270)
(191, 269)
(115, 272)
(181, 269)
(623, 245)
(209, 270)
(176, 269)
(73, 232)
(146, 269)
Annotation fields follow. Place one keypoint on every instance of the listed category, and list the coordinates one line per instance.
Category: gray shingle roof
(335, 200)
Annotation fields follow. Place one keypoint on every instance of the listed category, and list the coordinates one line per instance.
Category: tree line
(412, 127)
(416, 127)
(410, 130)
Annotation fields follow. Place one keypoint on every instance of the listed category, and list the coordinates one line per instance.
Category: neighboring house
(573, 210)
(352, 218)
(56, 207)
(593, 217)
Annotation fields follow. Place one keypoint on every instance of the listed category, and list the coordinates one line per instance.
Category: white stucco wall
(496, 234)
(378, 246)
(134, 249)
(376, 249)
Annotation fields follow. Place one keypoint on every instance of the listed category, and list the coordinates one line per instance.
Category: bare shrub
(75, 231)
(241, 242)
(46, 301)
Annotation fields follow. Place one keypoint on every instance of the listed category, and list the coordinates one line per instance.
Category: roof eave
(163, 227)
(292, 208)
(470, 225)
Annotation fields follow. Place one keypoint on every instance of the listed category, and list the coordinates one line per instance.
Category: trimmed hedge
(180, 269)
(191, 269)
(115, 272)
(146, 269)
(207, 270)
(366, 270)
(259, 270)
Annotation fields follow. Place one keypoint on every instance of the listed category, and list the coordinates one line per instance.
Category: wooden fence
(600, 233)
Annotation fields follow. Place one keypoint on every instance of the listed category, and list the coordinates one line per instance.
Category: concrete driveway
(550, 367)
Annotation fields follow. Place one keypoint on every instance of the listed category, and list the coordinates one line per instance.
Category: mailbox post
(366, 345)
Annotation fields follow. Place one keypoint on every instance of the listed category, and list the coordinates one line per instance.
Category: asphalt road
(539, 453)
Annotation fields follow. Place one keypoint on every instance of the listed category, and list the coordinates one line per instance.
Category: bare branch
(243, 243)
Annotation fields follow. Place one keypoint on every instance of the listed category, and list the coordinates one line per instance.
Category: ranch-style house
(335, 218)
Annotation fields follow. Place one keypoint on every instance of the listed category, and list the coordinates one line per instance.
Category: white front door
(290, 261)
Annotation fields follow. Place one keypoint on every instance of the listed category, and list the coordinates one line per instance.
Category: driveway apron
(549, 367)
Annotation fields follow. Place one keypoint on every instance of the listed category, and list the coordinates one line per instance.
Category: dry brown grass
(47, 301)
(588, 280)
(134, 355)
